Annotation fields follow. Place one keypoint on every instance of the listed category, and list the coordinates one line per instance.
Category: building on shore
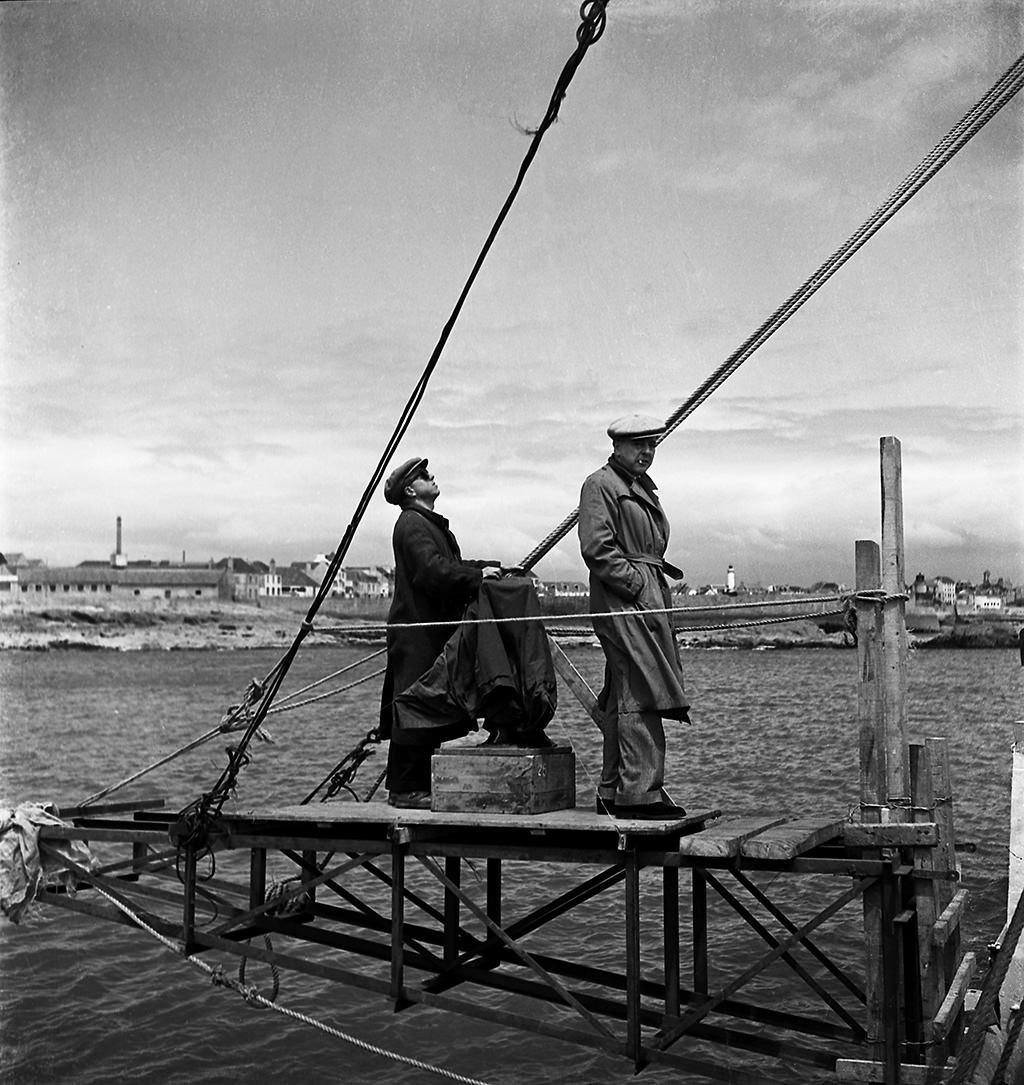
(129, 586)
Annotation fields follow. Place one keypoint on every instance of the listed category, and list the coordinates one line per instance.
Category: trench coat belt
(666, 567)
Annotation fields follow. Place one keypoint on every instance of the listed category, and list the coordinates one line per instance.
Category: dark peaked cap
(401, 477)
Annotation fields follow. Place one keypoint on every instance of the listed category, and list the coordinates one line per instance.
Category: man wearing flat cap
(623, 537)
(432, 584)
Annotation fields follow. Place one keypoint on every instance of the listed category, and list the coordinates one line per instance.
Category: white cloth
(24, 867)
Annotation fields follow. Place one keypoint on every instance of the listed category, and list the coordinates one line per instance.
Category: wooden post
(699, 919)
(632, 901)
(894, 627)
(397, 923)
(257, 877)
(884, 754)
(670, 917)
(870, 709)
(452, 908)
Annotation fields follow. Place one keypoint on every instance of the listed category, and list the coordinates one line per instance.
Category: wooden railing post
(884, 753)
(894, 627)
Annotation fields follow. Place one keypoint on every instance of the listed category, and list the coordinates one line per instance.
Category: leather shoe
(606, 806)
(534, 740)
(652, 811)
(409, 800)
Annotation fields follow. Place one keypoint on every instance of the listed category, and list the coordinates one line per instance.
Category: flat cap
(402, 475)
(634, 426)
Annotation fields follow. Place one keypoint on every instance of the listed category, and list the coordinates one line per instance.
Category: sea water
(774, 733)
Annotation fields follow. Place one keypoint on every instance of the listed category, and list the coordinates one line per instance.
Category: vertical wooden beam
(257, 877)
(494, 890)
(891, 1018)
(397, 922)
(632, 902)
(928, 901)
(453, 872)
(670, 909)
(894, 626)
(884, 755)
(699, 919)
(188, 919)
(870, 709)
(309, 874)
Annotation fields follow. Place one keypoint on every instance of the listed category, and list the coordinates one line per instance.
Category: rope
(646, 612)
(952, 143)
(1013, 1035)
(328, 677)
(252, 996)
(970, 1050)
(230, 722)
(195, 816)
(325, 696)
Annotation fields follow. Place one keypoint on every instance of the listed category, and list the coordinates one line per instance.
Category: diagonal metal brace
(527, 959)
(666, 1039)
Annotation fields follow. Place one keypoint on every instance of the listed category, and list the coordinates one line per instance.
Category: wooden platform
(439, 939)
(579, 819)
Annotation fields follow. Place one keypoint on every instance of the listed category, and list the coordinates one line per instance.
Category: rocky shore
(234, 626)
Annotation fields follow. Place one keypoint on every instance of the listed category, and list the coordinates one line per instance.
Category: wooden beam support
(894, 628)
(893, 834)
(953, 1004)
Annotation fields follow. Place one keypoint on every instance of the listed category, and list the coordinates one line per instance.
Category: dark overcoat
(432, 584)
(623, 538)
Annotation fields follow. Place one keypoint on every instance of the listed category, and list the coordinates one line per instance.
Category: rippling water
(774, 733)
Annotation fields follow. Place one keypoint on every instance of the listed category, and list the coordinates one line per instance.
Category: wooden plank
(793, 838)
(873, 1073)
(893, 834)
(952, 1004)
(341, 814)
(146, 802)
(949, 921)
(725, 839)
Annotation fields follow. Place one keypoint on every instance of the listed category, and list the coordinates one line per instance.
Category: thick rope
(252, 995)
(984, 1013)
(954, 141)
(638, 613)
(196, 814)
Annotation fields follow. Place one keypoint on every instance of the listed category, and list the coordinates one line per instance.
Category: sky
(232, 232)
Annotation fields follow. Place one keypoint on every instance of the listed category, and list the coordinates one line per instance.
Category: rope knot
(594, 20)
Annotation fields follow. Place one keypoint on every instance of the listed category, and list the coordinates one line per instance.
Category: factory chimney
(117, 559)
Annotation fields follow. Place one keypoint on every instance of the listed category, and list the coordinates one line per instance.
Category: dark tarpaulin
(498, 671)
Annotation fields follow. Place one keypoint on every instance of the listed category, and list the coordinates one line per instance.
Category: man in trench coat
(623, 537)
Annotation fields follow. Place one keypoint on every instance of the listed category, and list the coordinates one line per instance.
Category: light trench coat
(623, 537)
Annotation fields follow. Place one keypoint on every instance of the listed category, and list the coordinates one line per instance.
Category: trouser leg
(641, 758)
(408, 767)
(609, 724)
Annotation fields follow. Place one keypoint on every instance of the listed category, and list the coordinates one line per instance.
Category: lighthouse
(730, 581)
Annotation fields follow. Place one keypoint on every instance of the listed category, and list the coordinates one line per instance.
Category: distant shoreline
(241, 626)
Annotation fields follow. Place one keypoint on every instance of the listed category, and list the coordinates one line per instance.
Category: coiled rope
(195, 816)
(954, 141)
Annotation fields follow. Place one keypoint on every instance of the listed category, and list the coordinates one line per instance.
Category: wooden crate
(503, 779)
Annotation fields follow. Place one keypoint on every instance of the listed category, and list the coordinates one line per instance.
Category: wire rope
(1001, 92)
